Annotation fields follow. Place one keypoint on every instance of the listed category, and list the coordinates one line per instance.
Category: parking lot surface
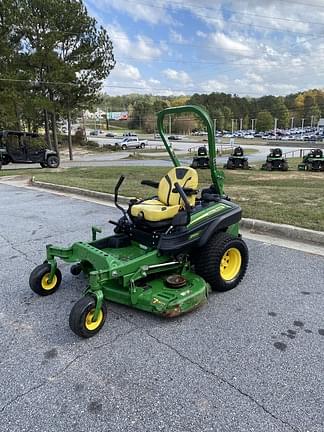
(249, 360)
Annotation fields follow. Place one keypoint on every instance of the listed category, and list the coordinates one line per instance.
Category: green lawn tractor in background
(237, 160)
(275, 161)
(313, 161)
(167, 251)
(202, 159)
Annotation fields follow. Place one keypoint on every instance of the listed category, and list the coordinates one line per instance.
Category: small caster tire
(38, 280)
(76, 269)
(81, 315)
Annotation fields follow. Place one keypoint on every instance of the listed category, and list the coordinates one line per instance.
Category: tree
(264, 121)
(64, 53)
(281, 113)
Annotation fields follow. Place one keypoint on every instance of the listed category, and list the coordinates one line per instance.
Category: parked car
(110, 135)
(27, 148)
(131, 142)
(129, 134)
(96, 132)
(174, 138)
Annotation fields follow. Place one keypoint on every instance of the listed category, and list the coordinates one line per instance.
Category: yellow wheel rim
(89, 323)
(230, 264)
(46, 285)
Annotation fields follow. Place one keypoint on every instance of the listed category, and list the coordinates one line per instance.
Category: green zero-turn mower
(275, 161)
(237, 160)
(167, 252)
(313, 161)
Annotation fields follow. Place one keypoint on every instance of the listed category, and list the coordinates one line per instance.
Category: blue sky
(251, 47)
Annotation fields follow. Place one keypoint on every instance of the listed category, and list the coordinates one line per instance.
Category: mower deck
(134, 265)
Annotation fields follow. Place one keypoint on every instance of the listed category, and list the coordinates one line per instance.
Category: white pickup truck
(131, 142)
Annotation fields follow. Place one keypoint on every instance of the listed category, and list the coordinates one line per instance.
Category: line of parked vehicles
(293, 134)
(310, 134)
(275, 161)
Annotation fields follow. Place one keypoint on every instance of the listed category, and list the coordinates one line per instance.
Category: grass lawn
(294, 198)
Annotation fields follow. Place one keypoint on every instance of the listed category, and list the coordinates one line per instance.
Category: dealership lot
(251, 359)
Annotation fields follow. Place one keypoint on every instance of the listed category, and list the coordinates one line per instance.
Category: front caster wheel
(81, 317)
(39, 283)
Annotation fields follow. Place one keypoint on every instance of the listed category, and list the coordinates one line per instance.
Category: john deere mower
(313, 161)
(237, 160)
(166, 252)
(275, 161)
(202, 159)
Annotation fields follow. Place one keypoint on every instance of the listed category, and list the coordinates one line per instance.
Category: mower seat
(168, 202)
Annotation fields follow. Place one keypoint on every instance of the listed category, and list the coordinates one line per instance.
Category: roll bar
(216, 176)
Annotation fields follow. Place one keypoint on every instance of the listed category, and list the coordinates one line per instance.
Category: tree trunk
(17, 117)
(55, 142)
(70, 135)
(47, 131)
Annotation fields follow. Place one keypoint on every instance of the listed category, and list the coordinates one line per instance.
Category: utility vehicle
(27, 148)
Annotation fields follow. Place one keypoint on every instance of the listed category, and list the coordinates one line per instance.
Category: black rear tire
(194, 164)
(53, 161)
(5, 160)
(223, 261)
(80, 317)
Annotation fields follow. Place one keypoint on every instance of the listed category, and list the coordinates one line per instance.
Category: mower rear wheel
(38, 280)
(81, 317)
(223, 261)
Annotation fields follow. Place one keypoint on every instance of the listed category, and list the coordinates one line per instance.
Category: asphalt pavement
(249, 360)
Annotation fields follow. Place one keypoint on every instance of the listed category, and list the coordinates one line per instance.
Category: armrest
(150, 183)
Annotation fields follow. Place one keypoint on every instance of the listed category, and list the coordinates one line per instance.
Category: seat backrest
(202, 151)
(186, 177)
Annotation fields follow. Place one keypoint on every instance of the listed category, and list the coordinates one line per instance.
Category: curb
(79, 191)
(283, 231)
(253, 225)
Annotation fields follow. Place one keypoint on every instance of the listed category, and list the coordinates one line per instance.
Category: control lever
(184, 199)
(119, 183)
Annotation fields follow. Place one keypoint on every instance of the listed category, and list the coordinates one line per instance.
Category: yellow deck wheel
(46, 285)
(81, 317)
(89, 323)
(39, 283)
(230, 264)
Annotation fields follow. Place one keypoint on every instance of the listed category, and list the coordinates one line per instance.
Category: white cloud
(175, 75)
(254, 77)
(138, 11)
(211, 86)
(154, 81)
(177, 37)
(141, 47)
(145, 48)
(126, 71)
(243, 39)
(222, 41)
(201, 34)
